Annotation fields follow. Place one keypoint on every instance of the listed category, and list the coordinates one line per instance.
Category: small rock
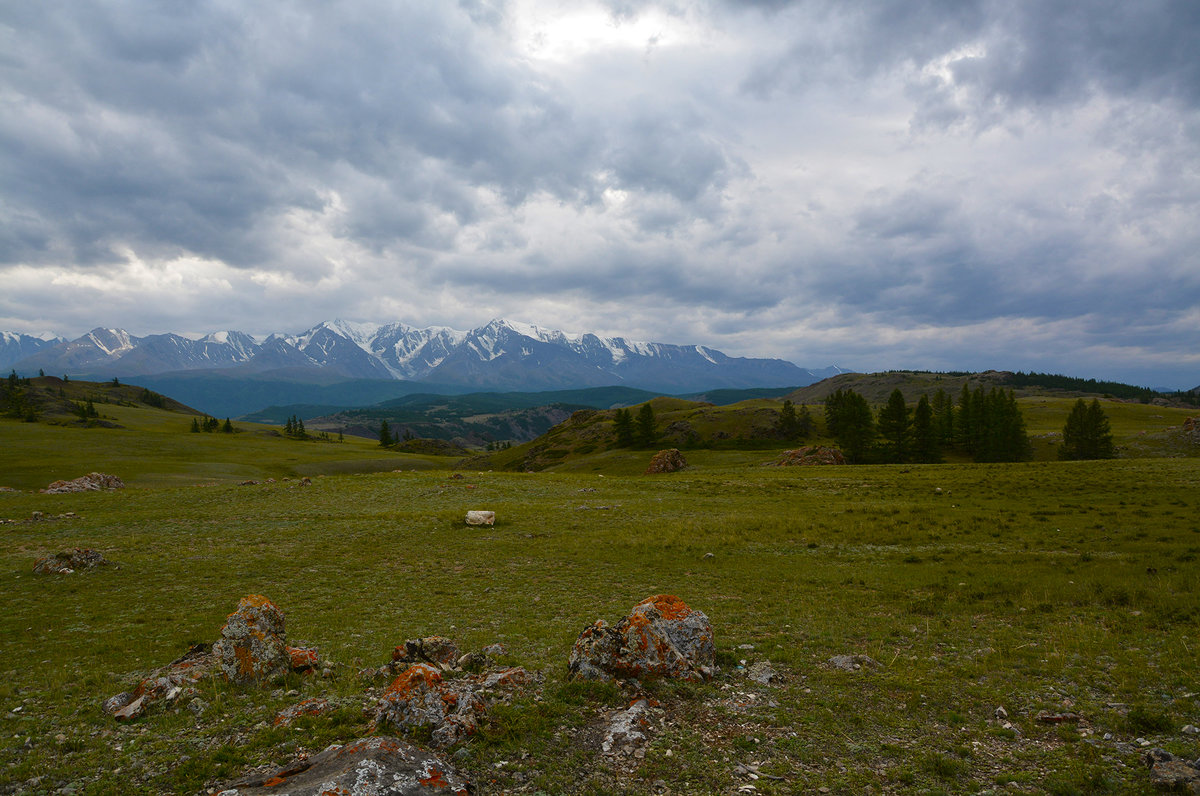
(852, 663)
(1000, 713)
(481, 517)
(1191, 729)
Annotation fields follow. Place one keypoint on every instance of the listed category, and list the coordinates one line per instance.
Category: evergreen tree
(964, 421)
(788, 424)
(849, 420)
(805, 422)
(1087, 434)
(408, 435)
(116, 382)
(13, 380)
(623, 425)
(646, 433)
(228, 427)
(385, 434)
(289, 428)
(943, 417)
(41, 373)
(340, 437)
(894, 426)
(925, 442)
(90, 409)
(195, 426)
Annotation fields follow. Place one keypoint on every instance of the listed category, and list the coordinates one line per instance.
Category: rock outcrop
(437, 650)
(379, 766)
(70, 561)
(809, 456)
(92, 482)
(168, 684)
(661, 637)
(421, 698)
(1168, 772)
(253, 644)
(667, 461)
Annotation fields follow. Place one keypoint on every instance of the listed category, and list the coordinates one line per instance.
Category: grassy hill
(148, 445)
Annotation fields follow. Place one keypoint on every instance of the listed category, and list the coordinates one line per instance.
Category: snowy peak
(500, 355)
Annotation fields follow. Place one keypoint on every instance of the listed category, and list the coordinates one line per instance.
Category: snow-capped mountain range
(501, 355)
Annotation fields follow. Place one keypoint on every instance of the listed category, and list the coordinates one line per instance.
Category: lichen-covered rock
(69, 561)
(92, 482)
(661, 637)
(309, 707)
(253, 644)
(379, 766)
(421, 698)
(668, 461)
(481, 517)
(303, 659)
(810, 455)
(437, 650)
(165, 685)
(1168, 772)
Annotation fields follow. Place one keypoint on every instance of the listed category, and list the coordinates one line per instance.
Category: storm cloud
(940, 185)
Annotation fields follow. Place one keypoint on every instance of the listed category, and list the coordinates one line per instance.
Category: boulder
(438, 650)
(69, 561)
(165, 685)
(378, 766)
(481, 518)
(92, 482)
(1168, 772)
(253, 644)
(419, 697)
(661, 637)
(668, 461)
(810, 455)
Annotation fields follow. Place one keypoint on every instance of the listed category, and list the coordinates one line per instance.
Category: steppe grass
(1040, 586)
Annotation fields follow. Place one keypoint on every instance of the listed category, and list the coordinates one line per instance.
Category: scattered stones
(478, 660)
(252, 645)
(1000, 713)
(852, 663)
(666, 461)
(625, 729)
(1171, 773)
(174, 680)
(763, 673)
(421, 698)
(481, 518)
(661, 637)
(70, 561)
(512, 677)
(437, 650)
(309, 707)
(379, 766)
(808, 456)
(92, 482)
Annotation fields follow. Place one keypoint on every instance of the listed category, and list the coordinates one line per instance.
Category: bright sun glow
(564, 33)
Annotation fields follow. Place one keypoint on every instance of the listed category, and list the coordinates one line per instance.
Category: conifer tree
(1087, 434)
(805, 422)
(943, 417)
(195, 426)
(385, 434)
(925, 444)
(849, 420)
(228, 427)
(623, 425)
(894, 426)
(788, 424)
(646, 432)
(289, 428)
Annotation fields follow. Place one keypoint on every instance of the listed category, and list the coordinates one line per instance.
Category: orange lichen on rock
(421, 698)
(661, 637)
(253, 643)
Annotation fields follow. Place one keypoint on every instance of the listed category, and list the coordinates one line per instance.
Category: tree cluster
(210, 424)
(294, 427)
(794, 425)
(987, 426)
(635, 431)
(1087, 434)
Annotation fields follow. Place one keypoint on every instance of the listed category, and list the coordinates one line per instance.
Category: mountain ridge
(501, 355)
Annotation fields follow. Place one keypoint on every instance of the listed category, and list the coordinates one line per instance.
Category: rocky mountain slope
(501, 355)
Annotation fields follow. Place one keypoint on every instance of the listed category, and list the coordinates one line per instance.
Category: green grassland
(1039, 586)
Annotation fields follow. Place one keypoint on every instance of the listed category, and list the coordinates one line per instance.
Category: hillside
(147, 444)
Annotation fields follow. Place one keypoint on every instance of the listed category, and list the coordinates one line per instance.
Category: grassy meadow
(1067, 587)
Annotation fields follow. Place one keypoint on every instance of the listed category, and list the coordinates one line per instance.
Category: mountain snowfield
(501, 355)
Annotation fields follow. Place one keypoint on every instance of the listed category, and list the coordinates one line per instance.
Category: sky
(934, 184)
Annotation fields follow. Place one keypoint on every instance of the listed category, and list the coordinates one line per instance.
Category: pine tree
(964, 421)
(385, 434)
(788, 424)
(300, 432)
(623, 425)
(943, 417)
(340, 437)
(228, 427)
(805, 422)
(894, 425)
(925, 444)
(195, 426)
(646, 433)
(288, 427)
(849, 420)
(1087, 434)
